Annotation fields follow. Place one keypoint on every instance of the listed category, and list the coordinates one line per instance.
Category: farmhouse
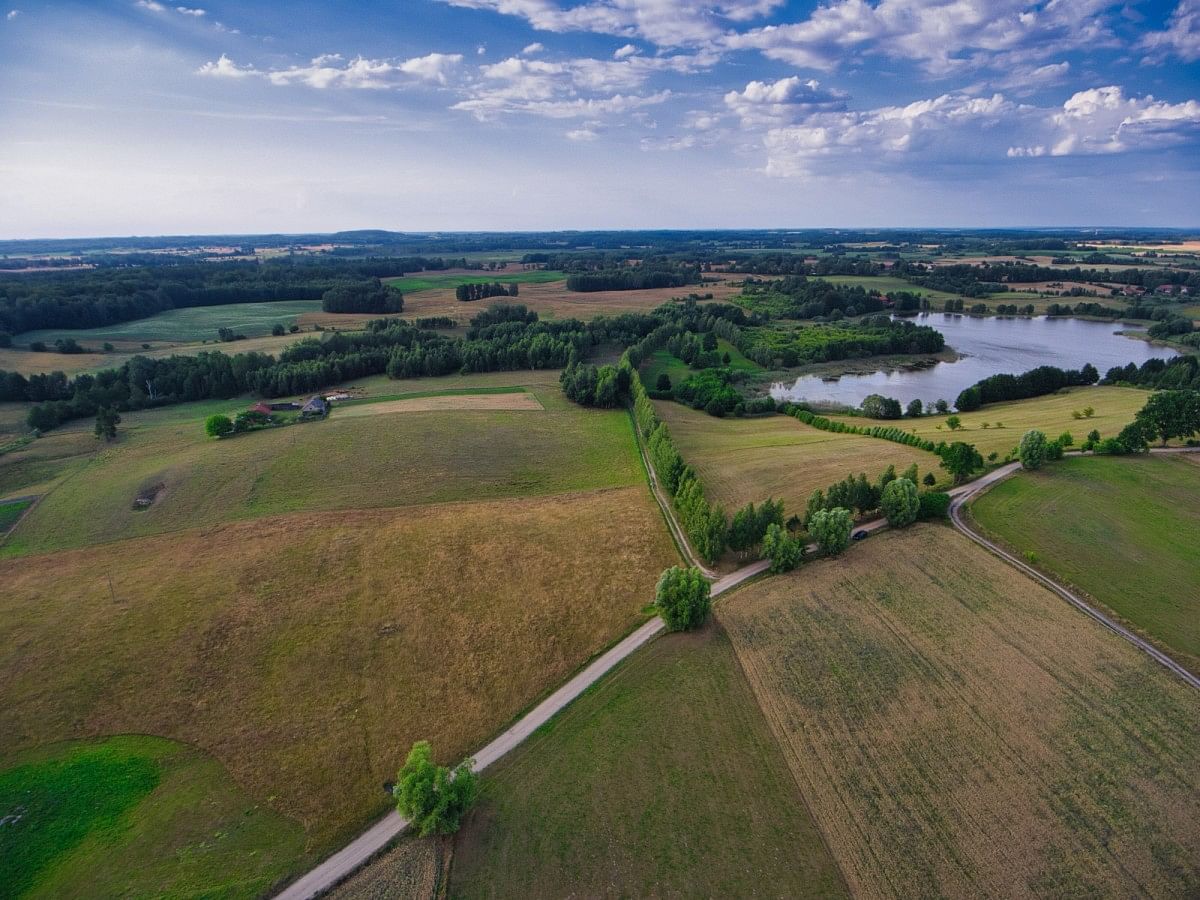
(263, 408)
(316, 406)
(284, 406)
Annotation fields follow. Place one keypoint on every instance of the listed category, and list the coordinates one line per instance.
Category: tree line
(470, 292)
(1034, 383)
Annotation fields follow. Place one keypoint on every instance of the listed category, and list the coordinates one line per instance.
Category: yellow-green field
(741, 461)
(1122, 529)
(663, 781)
(1114, 408)
(350, 462)
(307, 652)
(956, 726)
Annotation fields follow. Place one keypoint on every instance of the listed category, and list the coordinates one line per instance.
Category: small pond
(988, 346)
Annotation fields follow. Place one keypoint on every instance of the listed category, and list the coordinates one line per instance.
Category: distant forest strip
(91, 298)
(502, 338)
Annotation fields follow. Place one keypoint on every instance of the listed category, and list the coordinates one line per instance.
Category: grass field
(445, 403)
(1122, 529)
(553, 301)
(307, 652)
(953, 725)
(429, 281)
(1114, 408)
(11, 511)
(135, 816)
(678, 371)
(663, 781)
(344, 462)
(195, 323)
(748, 460)
(887, 284)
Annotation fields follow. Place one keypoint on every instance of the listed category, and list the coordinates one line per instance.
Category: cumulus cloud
(1181, 37)
(150, 5)
(627, 50)
(668, 23)
(332, 70)
(12, 14)
(937, 126)
(1104, 120)
(781, 102)
(582, 134)
(941, 35)
(226, 68)
(190, 11)
(533, 48)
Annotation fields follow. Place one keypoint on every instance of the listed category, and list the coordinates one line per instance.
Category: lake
(988, 346)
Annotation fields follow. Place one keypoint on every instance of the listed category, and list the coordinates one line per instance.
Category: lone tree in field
(682, 597)
(783, 550)
(218, 425)
(664, 382)
(431, 796)
(1032, 449)
(830, 528)
(954, 423)
(960, 460)
(900, 502)
(107, 420)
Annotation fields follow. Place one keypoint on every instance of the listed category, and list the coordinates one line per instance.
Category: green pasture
(428, 281)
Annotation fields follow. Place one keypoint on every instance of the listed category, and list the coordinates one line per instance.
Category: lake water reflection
(988, 346)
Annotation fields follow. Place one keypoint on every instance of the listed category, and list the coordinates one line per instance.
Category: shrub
(934, 505)
(1032, 449)
(430, 796)
(783, 550)
(277, 329)
(682, 597)
(218, 426)
(900, 502)
(830, 528)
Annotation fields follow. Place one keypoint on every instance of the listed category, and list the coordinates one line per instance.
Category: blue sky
(148, 117)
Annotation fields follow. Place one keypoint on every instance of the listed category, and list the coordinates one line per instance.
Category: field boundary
(960, 522)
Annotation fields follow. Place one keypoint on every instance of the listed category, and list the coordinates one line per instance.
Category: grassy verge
(1121, 529)
(955, 725)
(616, 796)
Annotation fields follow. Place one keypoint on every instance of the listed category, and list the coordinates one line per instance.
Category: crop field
(553, 301)
(445, 403)
(664, 780)
(135, 816)
(1122, 529)
(344, 462)
(412, 869)
(748, 460)
(886, 284)
(429, 281)
(1114, 408)
(195, 323)
(306, 652)
(954, 725)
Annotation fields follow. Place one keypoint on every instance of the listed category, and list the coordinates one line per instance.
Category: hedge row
(884, 432)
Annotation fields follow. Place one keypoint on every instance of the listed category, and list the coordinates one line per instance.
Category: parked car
(859, 535)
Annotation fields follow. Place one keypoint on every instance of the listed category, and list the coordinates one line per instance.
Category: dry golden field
(960, 731)
(307, 652)
(476, 402)
(748, 460)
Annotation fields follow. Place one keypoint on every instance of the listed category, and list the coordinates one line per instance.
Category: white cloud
(627, 50)
(557, 89)
(488, 107)
(226, 68)
(582, 134)
(781, 102)
(531, 49)
(1181, 37)
(150, 5)
(668, 23)
(12, 14)
(331, 70)
(937, 126)
(190, 11)
(941, 35)
(1104, 120)
(1036, 150)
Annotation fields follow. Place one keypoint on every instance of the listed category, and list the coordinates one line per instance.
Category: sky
(148, 117)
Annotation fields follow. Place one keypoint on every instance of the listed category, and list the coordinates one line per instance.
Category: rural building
(284, 406)
(263, 408)
(316, 406)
